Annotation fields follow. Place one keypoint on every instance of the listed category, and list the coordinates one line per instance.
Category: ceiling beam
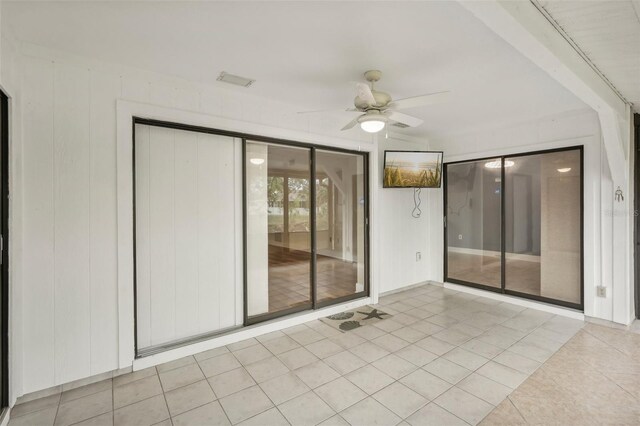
(522, 25)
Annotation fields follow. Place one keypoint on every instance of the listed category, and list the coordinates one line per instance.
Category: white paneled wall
(186, 223)
(69, 284)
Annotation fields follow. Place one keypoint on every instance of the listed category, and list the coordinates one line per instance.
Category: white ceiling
(608, 32)
(304, 53)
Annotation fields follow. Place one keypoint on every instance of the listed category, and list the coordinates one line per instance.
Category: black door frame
(246, 321)
(313, 303)
(636, 210)
(502, 289)
(4, 230)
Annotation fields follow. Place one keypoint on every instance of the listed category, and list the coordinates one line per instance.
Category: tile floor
(444, 358)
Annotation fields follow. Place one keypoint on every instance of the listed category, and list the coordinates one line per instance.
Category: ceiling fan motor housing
(382, 100)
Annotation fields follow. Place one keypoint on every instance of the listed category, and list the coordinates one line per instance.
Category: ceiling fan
(378, 109)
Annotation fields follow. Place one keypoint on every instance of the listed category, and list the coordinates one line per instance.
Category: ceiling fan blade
(351, 124)
(418, 101)
(364, 93)
(320, 111)
(405, 119)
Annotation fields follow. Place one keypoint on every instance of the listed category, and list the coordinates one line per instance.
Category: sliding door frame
(256, 319)
(502, 289)
(314, 304)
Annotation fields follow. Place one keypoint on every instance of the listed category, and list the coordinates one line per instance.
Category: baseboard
(405, 288)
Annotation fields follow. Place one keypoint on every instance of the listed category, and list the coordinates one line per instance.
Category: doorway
(513, 224)
(306, 214)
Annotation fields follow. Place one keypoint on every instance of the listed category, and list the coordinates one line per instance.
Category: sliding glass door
(514, 224)
(305, 228)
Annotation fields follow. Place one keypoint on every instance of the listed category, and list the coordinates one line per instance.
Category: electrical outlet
(459, 236)
(418, 256)
(601, 291)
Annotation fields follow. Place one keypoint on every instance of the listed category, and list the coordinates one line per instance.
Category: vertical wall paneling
(103, 222)
(143, 280)
(72, 202)
(186, 232)
(186, 224)
(38, 287)
(162, 234)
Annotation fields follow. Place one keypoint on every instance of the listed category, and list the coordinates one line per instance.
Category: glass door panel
(543, 225)
(473, 233)
(340, 225)
(278, 205)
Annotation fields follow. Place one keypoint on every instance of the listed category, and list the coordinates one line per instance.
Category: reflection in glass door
(305, 228)
(278, 226)
(473, 222)
(340, 220)
(514, 224)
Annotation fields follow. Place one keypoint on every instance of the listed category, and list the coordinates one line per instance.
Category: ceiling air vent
(235, 79)
(401, 125)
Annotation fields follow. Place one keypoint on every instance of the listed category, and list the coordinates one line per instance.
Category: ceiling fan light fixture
(372, 123)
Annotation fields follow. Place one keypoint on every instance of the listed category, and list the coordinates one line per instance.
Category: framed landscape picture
(412, 169)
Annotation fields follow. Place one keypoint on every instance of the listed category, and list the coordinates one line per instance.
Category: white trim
(540, 306)
(126, 110)
(245, 333)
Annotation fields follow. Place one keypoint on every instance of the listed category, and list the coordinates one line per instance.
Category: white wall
(569, 129)
(402, 235)
(69, 319)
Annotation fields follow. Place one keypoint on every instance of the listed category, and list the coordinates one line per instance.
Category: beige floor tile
(306, 409)
(388, 325)
(390, 342)
(340, 394)
(211, 414)
(502, 374)
(189, 397)
(504, 414)
(211, 353)
(245, 404)
(252, 354)
(324, 348)
(370, 412)
(349, 340)
(42, 417)
(284, 388)
(281, 344)
(136, 391)
(181, 376)
(219, 364)
(434, 415)
(368, 332)
(447, 370)
(230, 382)
(87, 390)
(369, 379)
(394, 366)
(136, 375)
(267, 369)
(481, 348)
(242, 344)
(517, 362)
(400, 399)
(147, 412)
(409, 334)
(416, 355)
(336, 420)
(426, 327)
(306, 337)
(105, 419)
(426, 384)
(434, 345)
(84, 408)
(316, 374)
(452, 337)
(465, 358)
(345, 362)
(369, 352)
(181, 362)
(464, 405)
(35, 405)
(297, 358)
(271, 417)
(488, 390)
